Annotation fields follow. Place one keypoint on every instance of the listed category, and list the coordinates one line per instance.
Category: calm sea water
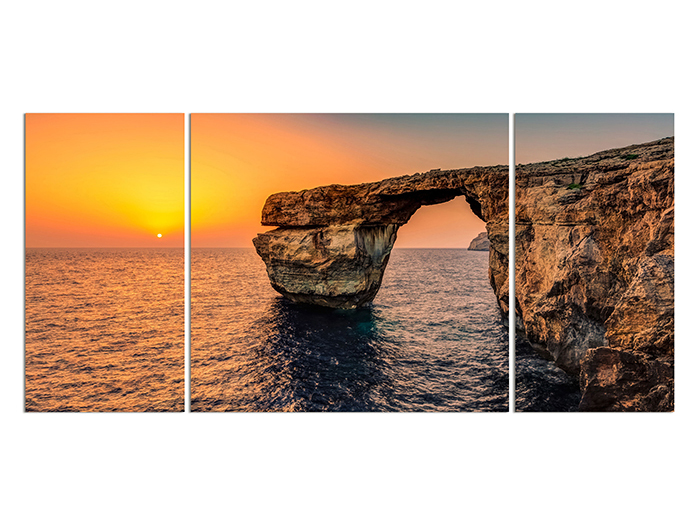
(104, 330)
(432, 340)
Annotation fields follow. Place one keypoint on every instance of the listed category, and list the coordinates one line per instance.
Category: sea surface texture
(104, 330)
(541, 386)
(432, 340)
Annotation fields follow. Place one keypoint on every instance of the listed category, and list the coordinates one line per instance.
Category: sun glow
(238, 160)
(159, 235)
(104, 180)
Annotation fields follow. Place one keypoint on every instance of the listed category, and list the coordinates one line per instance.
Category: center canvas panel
(349, 262)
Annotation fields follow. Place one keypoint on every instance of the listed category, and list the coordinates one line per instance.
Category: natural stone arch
(333, 243)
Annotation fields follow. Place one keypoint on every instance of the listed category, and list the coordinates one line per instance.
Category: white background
(357, 56)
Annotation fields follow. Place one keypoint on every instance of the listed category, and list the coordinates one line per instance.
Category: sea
(541, 386)
(104, 330)
(432, 340)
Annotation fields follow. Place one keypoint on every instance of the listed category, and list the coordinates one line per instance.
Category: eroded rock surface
(595, 271)
(480, 243)
(333, 242)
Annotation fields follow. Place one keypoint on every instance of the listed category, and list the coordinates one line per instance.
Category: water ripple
(104, 330)
(432, 340)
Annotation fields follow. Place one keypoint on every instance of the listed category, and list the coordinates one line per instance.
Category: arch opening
(434, 244)
(451, 224)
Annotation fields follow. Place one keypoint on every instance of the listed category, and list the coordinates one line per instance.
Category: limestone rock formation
(595, 270)
(480, 243)
(333, 243)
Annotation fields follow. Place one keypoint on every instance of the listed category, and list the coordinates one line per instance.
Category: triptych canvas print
(349, 262)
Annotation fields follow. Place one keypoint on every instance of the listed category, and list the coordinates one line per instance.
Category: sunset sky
(105, 180)
(543, 136)
(240, 159)
(117, 180)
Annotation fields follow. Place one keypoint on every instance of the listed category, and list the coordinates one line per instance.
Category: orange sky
(240, 159)
(105, 180)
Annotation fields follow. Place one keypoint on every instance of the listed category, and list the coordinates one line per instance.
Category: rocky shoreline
(480, 243)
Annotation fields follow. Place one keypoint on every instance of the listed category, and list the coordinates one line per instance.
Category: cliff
(333, 243)
(594, 257)
(480, 243)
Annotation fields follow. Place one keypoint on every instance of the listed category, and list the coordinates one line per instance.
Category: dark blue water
(540, 386)
(432, 340)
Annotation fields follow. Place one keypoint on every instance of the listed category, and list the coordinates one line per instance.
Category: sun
(159, 235)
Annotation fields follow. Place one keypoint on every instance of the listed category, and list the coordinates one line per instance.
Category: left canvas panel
(104, 262)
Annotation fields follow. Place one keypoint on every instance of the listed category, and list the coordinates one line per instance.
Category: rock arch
(332, 243)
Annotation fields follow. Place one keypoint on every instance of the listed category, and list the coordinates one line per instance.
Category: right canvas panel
(594, 262)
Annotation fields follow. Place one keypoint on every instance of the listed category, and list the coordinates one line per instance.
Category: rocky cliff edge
(594, 258)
